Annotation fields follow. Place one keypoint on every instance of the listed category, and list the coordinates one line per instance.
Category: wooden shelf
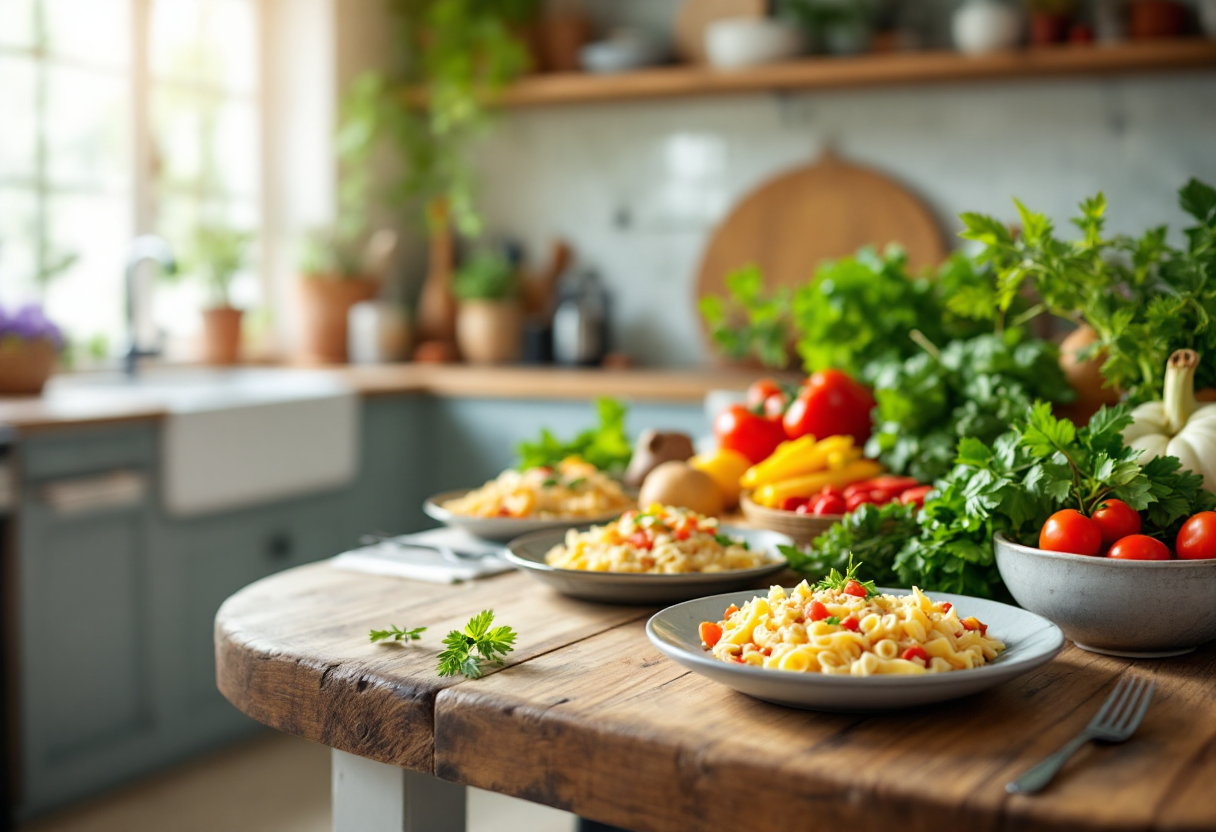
(866, 71)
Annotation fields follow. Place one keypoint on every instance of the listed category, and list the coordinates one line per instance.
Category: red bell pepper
(830, 403)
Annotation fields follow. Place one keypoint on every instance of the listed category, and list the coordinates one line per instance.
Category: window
(123, 117)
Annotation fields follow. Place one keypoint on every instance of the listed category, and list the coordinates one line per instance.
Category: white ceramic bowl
(1132, 608)
(740, 42)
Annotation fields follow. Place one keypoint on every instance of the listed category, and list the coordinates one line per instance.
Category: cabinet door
(89, 717)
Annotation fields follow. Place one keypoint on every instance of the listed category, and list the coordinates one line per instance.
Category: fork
(448, 553)
(1118, 719)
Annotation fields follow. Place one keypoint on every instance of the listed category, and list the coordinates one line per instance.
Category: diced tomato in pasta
(851, 623)
(711, 633)
(816, 611)
(915, 652)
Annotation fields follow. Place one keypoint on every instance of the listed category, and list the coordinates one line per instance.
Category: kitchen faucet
(145, 247)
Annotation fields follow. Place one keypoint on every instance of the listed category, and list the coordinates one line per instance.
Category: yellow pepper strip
(796, 460)
(775, 494)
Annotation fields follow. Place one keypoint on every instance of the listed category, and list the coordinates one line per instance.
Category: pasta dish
(573, 489)
(662, 539)
(847, 628)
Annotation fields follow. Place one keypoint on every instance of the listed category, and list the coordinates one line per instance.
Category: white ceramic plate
(1030, 641)
(528, 554)
(502, 528)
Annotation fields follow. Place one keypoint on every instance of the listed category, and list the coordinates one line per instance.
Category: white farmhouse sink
(238, 438)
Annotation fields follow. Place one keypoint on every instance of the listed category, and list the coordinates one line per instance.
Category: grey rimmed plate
(527, 553)
(503, 528)
(1030, 641)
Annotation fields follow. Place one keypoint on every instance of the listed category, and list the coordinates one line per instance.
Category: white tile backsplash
(638, 186)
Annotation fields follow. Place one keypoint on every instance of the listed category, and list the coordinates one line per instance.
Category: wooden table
(590, 718)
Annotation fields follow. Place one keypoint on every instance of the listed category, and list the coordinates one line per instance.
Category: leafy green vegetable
(1012, 485)
(477, 645)
(727, 540)
(972, 388)
(488, 275)
(875, 534)
(834, 620)
(606, 447)
(749, 323)
(1144, 297)
(395, 633)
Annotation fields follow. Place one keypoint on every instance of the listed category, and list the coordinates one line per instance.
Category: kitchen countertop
(64, 407)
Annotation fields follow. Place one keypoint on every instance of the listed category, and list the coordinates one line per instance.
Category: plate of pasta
(518, 502)
(659, 555)
(845, 645)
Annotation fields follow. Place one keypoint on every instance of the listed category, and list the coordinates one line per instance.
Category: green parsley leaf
(835, 580)
(470, 650)
(833, 620)
(395, 633)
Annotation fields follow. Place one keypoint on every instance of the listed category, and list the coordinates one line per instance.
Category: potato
(679, 484)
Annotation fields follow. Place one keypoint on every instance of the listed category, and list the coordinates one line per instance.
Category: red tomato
(1139, 547)
(817, 611)
(890, 482)
(1070, 531)
(915, 652)
(857, 500)
(862, 487)
(760, 392)
(794, 503)
(1116, 520)
(915, 496)
(946, 607)
(738, 429)
(731, 610)
(711, 633)
(828, 504)
(805, 508)
(851, 623)
(830, 404)
(833, 490)
(1197, 538)
(855, 589)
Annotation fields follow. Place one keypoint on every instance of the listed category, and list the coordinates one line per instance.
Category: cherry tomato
(1197, 538)
(828, 504)
(794, 503)
(862, 487)
(857, 500)
(915, 496)
(890, 482)
(851, 623)
(805, 508)
(1071, 531)
(1116, 520)
(830, 404)
(915, 652)
(855, 589)
(817, 611)
(641, 540)
(711, 633)
(1139, 547)
(738, 429)
(833, 490)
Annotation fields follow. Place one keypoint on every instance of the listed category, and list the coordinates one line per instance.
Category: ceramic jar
(25, 366)
(221, 335)
(325, 302)
(490, 331)
(982, 26)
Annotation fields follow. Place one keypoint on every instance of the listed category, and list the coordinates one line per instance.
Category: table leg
(375, 797)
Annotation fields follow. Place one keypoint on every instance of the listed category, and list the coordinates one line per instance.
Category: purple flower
(29, 323)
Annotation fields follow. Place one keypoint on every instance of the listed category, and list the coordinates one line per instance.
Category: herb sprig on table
(1012, 485)
(607, 447)
(469, 651)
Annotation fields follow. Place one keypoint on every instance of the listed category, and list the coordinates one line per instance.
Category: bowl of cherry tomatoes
(805, 518)
(1113, 590)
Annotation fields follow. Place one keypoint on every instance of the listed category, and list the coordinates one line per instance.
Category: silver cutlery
(448, 553)
(1118, 719)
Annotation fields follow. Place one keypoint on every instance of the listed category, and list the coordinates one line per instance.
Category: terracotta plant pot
(490, 331)
(1148, 19)
(25, 366)
(222, 335)
(1047, 28)
(325, 302)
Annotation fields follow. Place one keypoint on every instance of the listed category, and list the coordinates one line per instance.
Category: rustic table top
(588, 716)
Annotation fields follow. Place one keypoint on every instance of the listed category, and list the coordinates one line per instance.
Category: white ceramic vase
(982, 26)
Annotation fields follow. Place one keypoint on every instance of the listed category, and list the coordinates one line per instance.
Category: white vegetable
(1178, 426)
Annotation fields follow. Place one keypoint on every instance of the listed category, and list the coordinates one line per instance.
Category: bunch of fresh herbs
(972, 388)
(1011, 486)
(607, 447)
(749, 323)
(1144, 297)
(468, 651)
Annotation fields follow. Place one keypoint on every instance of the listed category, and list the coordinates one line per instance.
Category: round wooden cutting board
(826, 210)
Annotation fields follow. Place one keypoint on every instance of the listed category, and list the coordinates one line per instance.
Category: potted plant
(334, 278)
(1049, 20)
(29, 346)
(489, 319)
(837, 27)
(214, 255)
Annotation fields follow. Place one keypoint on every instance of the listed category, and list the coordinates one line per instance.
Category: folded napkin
(397, 558)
